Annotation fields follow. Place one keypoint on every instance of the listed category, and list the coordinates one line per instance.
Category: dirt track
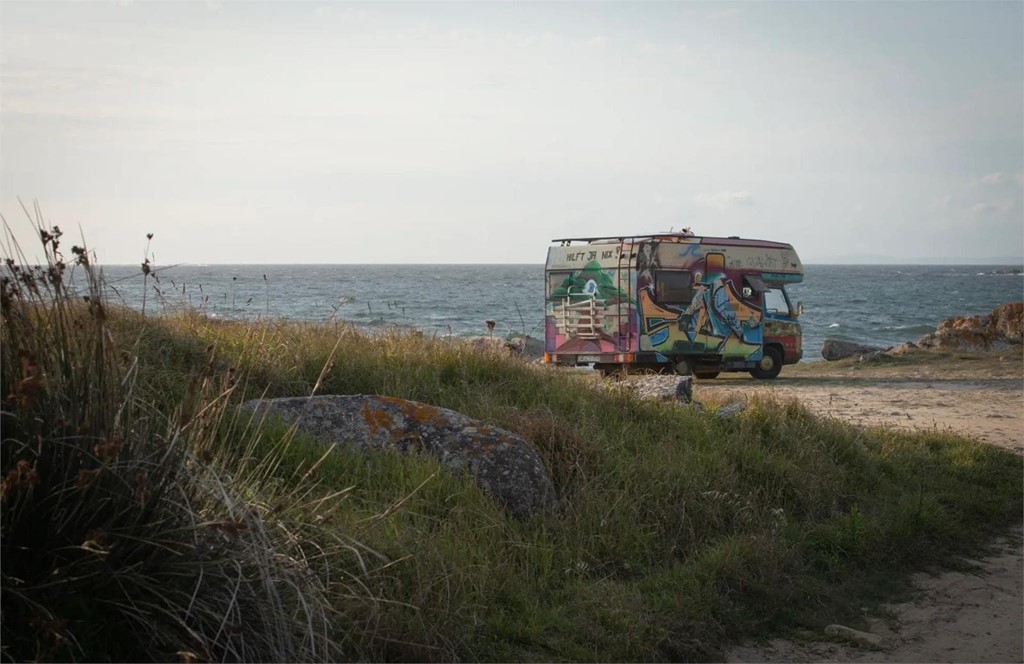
(974, 395)
(958, 617)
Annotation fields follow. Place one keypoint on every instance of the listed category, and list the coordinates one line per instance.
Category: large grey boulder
(837, 349)
(502, 463)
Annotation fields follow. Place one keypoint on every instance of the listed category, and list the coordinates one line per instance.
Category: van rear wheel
(770, 364)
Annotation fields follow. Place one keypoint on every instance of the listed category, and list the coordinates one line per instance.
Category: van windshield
(775, 301)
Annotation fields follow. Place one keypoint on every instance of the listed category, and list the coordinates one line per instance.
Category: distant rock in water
(503, 464)
(837, 349)
(996, 331)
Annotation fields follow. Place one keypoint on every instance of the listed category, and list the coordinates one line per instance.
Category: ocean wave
(917, 328)
(1009, 272)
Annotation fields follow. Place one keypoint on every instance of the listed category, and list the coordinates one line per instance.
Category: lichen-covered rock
(502, 463)
(837, 349)
(996, 331)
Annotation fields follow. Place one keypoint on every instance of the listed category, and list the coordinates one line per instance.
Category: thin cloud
(988, 208)
(661, 50)
(712, 14)
(725, 199)
(993, 179)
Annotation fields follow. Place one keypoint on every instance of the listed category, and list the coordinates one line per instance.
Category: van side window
(673, 287)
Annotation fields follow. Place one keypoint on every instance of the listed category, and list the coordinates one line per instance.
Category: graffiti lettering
(607, 254)
(591, 255)
(576, 257)
(762, 261)
(691, 250)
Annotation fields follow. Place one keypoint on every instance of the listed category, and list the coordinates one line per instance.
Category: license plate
(588, 359)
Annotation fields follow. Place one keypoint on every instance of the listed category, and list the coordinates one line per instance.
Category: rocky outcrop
(1008, 321)
(837, 349)
(902, 349)
(996, 331)
(502, 463)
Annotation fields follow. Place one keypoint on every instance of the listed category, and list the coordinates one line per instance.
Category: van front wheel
(770, 364)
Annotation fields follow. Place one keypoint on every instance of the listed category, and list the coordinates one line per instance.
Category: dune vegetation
(144, 518)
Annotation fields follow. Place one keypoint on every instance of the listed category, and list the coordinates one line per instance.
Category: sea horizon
(158, 266)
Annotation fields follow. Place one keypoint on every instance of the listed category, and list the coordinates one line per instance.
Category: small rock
(527, 346)
(662, 388)
(862, 638)
(731, 409)
(684, 389)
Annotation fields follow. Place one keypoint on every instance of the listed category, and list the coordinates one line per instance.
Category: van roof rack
(647, 236)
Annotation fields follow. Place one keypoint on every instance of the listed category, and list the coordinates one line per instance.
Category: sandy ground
(974, 395)
(957, 618)
(975, 617)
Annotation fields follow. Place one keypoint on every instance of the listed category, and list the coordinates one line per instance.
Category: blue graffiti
(659, 337)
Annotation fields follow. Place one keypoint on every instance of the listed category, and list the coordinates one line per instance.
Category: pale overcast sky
(477, 132)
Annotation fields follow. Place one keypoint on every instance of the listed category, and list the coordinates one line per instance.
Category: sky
(312, 132)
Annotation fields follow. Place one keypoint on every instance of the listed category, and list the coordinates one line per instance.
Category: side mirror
(799, 309)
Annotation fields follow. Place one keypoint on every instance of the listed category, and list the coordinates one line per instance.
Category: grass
(679, 532)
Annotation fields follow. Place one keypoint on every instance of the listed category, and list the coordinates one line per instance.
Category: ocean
(874, 304)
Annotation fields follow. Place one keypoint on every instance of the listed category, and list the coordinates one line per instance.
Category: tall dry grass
(131, 532)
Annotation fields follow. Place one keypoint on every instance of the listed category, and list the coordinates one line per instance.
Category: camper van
(697, 305)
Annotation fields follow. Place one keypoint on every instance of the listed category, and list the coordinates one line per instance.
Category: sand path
(975, 617)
